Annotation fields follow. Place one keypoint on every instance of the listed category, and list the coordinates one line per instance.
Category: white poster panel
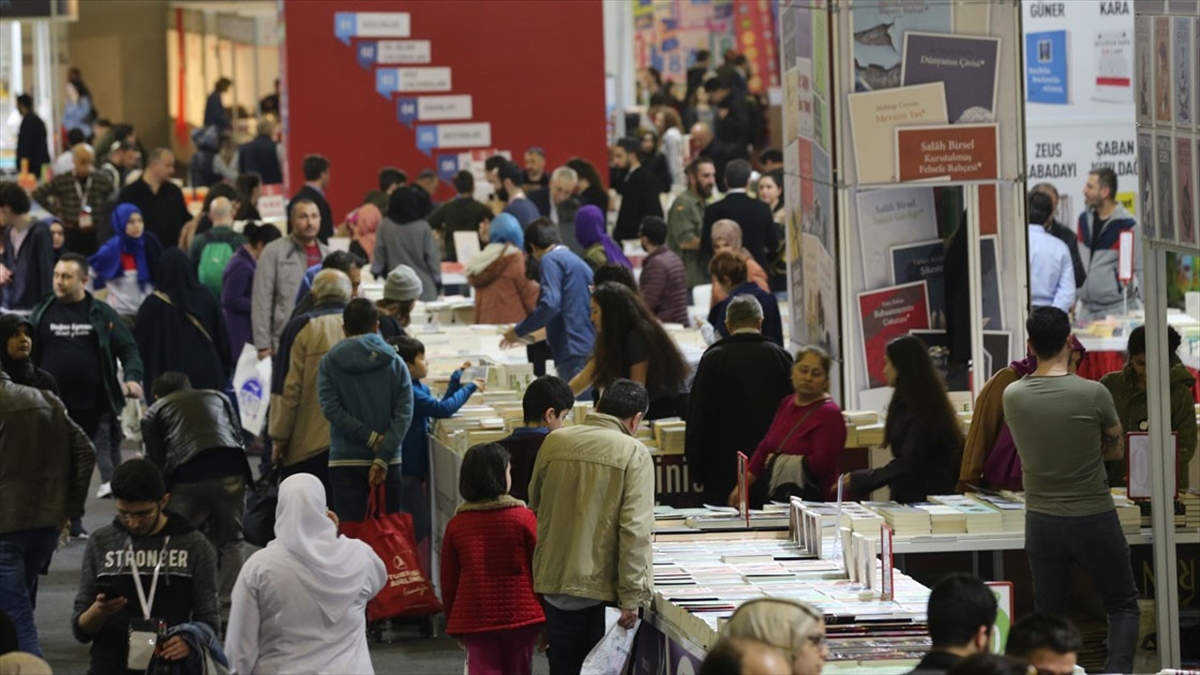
(1064, 161)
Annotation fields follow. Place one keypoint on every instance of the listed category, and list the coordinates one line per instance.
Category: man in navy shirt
(519, 206)
(564, 305)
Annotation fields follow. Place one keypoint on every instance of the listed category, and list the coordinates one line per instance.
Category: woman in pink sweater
(807, 423)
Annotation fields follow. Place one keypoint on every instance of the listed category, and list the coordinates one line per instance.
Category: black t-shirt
(70, 351)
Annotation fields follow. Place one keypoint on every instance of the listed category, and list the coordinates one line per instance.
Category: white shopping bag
(131, 420)
(609, 655)
(252, 384)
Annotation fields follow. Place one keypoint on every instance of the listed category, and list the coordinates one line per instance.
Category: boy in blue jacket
(366, 394)
(414, 469)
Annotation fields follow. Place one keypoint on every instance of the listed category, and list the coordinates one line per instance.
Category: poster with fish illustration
(1183, 72)
(1162, 69)
(1185, 206)
(879, 29)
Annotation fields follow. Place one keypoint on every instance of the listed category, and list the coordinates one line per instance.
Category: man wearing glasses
(143, 574)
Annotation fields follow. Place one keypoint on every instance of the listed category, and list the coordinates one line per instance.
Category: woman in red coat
(487, 569)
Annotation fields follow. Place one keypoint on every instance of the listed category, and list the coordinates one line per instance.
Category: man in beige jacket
(299, 430)
(593, 491)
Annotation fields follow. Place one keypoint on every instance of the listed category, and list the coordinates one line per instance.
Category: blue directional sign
(368, 52)
(447, 167)
(406, 110)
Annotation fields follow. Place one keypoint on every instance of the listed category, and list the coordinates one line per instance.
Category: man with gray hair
(742, 377)
(299, 430)
(81, 199)
(559, 204)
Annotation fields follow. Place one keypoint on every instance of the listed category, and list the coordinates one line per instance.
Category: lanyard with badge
(85, 211)
(146, 633)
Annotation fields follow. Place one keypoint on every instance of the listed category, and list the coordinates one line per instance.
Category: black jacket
(310, 193)
(32, 268)
(461, 214)
(165, 212)
(1068, 237)
(759, 234)
(639, 198)
(261, 156)
(46, 460)
(921, 462)
(742, 377)
(31, 144)
(183, 424)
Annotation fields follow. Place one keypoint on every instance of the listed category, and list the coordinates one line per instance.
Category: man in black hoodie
(148, 564)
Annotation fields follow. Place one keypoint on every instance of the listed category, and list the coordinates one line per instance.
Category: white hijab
(490, 254)
(331, 567)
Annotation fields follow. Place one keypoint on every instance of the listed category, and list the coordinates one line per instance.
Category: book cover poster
(1145, 74)
(1148, 214)
(1162, 69)
(966, 65)
(879, 28)
(874, 117)
(1164, 166)
(1185, 191)
(925, 261)
(1113, 54)
(804, 99)
(892, 217)
(1183, 71)
(997, 345)
(821, 215)
(820, 293)
(888, 313)
(1046, 67)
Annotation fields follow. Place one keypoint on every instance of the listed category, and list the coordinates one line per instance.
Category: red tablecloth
(1098, 364)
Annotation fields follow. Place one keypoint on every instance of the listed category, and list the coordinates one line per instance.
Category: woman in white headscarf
(300, 603)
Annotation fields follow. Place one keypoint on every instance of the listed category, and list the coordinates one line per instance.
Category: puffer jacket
(46, 460)
(296, 417)
(1132, 407)
(277, 275)
(593, 491)
(503, 294)
(184, 424)
(487, 568)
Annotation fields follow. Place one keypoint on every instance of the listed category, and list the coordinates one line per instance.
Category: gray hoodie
(1101, 292)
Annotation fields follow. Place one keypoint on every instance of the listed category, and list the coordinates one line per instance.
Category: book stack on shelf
(860, 519)
(669, 435)
(1012, 511)
(699, 585)
(981, 518)
(944, 519)
(905, 521)
(1191, 509)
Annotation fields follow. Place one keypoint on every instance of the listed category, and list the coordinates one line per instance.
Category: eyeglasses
(818, 641)
(141, 516)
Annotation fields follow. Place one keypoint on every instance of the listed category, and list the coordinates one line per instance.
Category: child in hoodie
(366, 394)
(414, 468)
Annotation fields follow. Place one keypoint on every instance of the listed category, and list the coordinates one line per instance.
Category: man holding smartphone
(143, 574)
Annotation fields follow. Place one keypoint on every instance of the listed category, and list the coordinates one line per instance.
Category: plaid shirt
(60, 196)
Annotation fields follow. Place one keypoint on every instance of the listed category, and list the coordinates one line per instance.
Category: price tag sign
(744, 499)
(1125, 257)
(886, 535)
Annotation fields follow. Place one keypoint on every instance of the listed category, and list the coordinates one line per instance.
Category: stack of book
(1012, 512)
(669, 436)
(981, 518)
(944, 519)
(905, 521)
(860, 519)
(1191, 507)
(1128, 513)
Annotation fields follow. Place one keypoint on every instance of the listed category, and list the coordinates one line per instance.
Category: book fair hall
(600, 337)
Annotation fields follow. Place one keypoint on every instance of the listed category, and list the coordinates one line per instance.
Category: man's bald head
(85, 159)
(220, 211)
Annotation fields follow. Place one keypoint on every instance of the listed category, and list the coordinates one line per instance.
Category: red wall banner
(367, 87)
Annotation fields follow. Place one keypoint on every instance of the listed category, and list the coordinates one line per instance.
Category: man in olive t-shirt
(1064, 428)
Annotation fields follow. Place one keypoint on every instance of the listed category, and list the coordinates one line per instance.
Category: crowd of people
(125, 298)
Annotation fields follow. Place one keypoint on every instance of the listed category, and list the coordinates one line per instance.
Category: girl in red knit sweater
(487, 569)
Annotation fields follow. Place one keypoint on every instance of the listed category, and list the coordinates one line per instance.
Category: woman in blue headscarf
(126, 264)
(503, 292)
(599, 248)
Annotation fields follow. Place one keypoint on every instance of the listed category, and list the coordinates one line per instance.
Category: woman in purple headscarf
(599, 248)
(990, 456)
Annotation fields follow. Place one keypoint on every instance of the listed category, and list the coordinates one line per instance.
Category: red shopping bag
(407, 591)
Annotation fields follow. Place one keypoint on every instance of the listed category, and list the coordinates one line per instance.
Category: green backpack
(213, 260)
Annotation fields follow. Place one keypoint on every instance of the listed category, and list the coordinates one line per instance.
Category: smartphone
(109, 589)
